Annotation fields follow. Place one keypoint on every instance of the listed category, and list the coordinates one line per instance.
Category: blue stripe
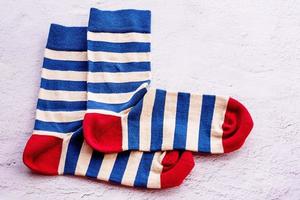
(119, 67)
(73, 152)
(182, 112)
(134, 126)
(48, 105)
(63, 85)
(207, 111)
(60, 127)
(67, 38)
(115, 87)
(119, 167)
(124, 47)
(157, 122)
(142, 175)
(118, 107)
(120, 21)
(65, 65)
(106, 106)
(95, 164)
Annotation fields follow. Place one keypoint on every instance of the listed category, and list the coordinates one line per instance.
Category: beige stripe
(124, 123)
(83, 159)
(59, 116)
(64, 75)
(193, 122)
(107, 166)
(117, 77)
(63, 154)
(169, 120)
(66, 55)
(155, 171)
(132, 168)
(119, 37)
(56, 95)
(97, 56)
(216, 125)
(145, 120)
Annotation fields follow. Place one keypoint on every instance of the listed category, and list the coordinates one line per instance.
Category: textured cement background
(247, 49)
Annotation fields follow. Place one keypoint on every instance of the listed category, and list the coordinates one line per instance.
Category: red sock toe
(42, 154)
(103, 132)
(236, 127)
(176, 168)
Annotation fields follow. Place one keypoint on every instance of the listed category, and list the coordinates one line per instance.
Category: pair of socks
(95, 101)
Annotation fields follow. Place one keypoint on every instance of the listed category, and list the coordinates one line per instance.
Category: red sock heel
(42, 154)
(103, 132)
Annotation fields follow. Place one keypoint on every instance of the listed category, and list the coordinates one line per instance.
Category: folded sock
(124, 114)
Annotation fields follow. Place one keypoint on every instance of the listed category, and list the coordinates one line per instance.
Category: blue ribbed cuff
(120, 21)
(67, 38)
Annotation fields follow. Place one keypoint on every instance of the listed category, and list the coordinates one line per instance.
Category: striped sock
(57, 145)
(119, 63)
(138, 118)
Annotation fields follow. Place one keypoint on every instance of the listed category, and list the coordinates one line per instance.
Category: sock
(57, 145)
(165, 120)
(119, 63)
(149, 119)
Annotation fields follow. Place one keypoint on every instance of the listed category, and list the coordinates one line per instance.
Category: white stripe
(103, 111)
(49, 133)
(83, 159)
(145, 121)
(169, 120)
(57, 95)
(97, 56)
(155, 171)
(107, 166)
(59, 116)
(64, 75)
(117, 77)
(66, 55)
(111, 98)
(192, 135)
(119, 37)
(63, 154)
(216, 125)
(132, 168)
(124, 124)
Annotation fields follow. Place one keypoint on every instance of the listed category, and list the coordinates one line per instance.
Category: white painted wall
(247, 49)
